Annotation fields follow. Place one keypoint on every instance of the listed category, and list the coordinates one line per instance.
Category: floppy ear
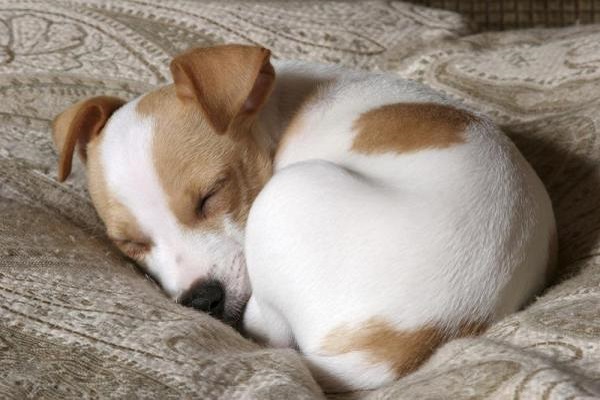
(79, 124)
(230, 82)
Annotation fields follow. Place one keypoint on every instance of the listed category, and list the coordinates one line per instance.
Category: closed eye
(202, 206)
(207, 203)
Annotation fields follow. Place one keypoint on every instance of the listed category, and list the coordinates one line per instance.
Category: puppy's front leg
(266, 326)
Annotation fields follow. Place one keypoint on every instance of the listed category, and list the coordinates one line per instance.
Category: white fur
(438, 236)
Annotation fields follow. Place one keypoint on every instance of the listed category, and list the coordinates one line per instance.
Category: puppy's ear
(79, 124)
(231, 82)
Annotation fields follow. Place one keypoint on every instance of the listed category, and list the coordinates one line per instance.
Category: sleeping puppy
(362, 218)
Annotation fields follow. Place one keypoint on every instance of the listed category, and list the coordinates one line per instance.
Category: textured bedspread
(78, 321)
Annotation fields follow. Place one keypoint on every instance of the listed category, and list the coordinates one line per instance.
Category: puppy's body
(394, 220)
(366, 255)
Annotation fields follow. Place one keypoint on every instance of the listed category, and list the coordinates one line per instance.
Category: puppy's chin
(234, 313)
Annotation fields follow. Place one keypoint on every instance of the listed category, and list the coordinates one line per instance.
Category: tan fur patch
(191, 159)
(229, 82)
(404, 351)
(77, 126)
(408, 127)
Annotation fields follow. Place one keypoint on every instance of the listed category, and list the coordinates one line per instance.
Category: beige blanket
(78, 321)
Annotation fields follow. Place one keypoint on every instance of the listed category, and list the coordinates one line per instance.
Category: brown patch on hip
(403, 351)
(409, 127)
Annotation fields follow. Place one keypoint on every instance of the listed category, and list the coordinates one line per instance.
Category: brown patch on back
(190, 158)
(403, 351)
(409, 127)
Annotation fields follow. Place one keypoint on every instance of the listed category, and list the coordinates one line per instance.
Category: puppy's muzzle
(207, 296)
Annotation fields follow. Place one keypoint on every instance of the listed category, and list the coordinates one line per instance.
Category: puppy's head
(173, 173)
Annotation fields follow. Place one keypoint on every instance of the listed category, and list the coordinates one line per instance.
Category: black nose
(207, 296)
